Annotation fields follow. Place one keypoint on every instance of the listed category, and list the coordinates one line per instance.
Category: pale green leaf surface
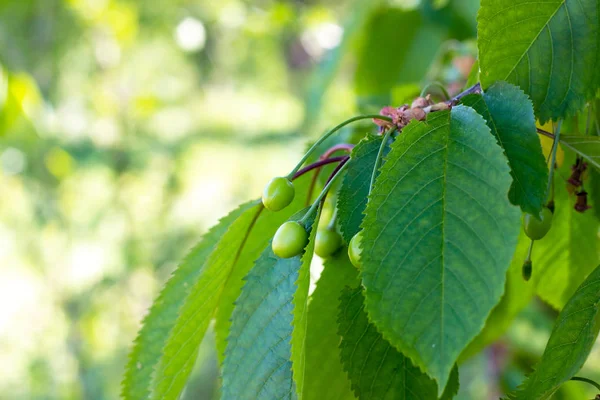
(161, 318)
(352, 196)
(181, 346)
(299, 322)
(509, 115)
(376, 369)
(257, 362)
(570, 342)
(265, 227)
(325, 378)
(438, 237)
(546, 47)
(567, 254)
(586, 146)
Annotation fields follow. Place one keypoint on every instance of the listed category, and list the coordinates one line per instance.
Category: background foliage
(128, 128)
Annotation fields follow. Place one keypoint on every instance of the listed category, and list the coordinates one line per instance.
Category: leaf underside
(438, 237)
(509, 115)
(156, 326)
(570, 342)
(545, 47)
(375, 368)
(325, 378)
(258, 357)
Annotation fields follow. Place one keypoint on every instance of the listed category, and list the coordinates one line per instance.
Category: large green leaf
(517, 295)
(567, 254)
(181, 346)
(586, 146)
(157, 325)
(262, 232)
(509, 114)
(438, 237)
(258, 357)
(352, 197)
(325, 378)
(570, 342)
(404, 60)
(548, 48)
(375, 368)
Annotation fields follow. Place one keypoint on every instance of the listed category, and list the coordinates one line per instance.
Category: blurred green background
(127, 128)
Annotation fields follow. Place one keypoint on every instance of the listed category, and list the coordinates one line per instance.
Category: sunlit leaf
(586, 146)
(546, 48)
(258, 357)
(375, 368)
(509, 115)
(159, 322)
(570, 343)
(325, 378)
(438, 237)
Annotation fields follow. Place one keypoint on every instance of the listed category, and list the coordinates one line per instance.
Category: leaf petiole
(386, 137)
(337, 172)
(586, 380)
(553, 156)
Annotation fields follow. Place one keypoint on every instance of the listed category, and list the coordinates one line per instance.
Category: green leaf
(587, 147)
(509, 115)
(258, 358)
(325, 378)
(352, 196)
(473, 77)
(547, 48)
(156, 326)
(375, 368)
(517, 295)
(181, 346)
(438, 237)
(594, 185)
(265, 227)
(566, 255)
(299, 322)
(404, 60)
(570, 342)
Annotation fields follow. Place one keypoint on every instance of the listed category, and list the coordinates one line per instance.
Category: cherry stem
(318, 164)
(342, 146)
(386, 137)
(438, 85)
(553, 156)
(586, 380)
(331, 132)
(337, 172)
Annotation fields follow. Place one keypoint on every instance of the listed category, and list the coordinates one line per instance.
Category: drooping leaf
(517, 295)
(376, 369)
(159, 322)
(546, 48)
(586, 146)
(438, 237)
(352, 197)
(567, 254)
(181, 345)
(258, 357)
(264, 228)
(570, 343)
(509, 115)
(299, 322)
(404, 60)
(325, 378)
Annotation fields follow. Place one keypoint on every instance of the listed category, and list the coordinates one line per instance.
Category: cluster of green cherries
(292, 237)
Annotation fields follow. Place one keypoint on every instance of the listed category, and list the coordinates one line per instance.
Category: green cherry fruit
(354, 250)
(278, 194)
(535, 228)
(328, 241)
(289, 240)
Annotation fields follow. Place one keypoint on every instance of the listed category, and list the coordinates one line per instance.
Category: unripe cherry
(278, 194)
(290, 240)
